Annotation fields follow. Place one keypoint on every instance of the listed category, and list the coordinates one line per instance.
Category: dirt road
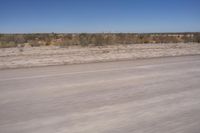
(160, 95)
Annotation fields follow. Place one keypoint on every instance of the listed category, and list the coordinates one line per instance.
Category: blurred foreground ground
(159, 95)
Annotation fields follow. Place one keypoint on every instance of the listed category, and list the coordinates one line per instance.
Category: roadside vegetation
(97, 39)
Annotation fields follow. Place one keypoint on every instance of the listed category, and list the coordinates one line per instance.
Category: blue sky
(65, 16)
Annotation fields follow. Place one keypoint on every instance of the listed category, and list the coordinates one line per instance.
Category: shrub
(34, 43)
(7, 44)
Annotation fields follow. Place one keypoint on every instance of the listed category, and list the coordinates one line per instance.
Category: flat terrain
(54, 55)
(160, 95)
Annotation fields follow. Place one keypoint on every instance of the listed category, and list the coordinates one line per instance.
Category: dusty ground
(159, 95)
(52, 55)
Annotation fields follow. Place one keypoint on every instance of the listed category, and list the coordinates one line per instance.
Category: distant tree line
(96, 39)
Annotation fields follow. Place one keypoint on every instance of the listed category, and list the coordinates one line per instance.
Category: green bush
(7, 44)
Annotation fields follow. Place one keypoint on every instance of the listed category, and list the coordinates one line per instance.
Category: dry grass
(54, 55)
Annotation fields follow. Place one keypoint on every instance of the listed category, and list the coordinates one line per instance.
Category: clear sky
(65, 16)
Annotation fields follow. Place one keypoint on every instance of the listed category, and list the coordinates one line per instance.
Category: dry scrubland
(98, 39)
(55, 55)
(27, 50)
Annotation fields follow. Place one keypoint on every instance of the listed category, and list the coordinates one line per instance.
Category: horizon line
(98, 32)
